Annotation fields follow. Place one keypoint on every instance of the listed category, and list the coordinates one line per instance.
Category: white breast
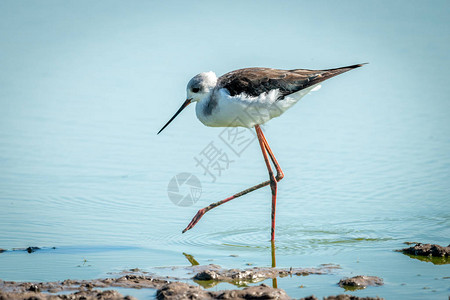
(246, 111)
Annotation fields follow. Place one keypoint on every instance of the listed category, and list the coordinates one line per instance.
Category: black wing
(255, 81)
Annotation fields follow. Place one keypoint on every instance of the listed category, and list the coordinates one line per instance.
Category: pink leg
(273, 182)
(280, 173)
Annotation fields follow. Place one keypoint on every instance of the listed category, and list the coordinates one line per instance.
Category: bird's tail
(323, 75)
(348, 68)
(333, 72)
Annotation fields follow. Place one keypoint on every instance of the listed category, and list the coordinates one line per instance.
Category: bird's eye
(195, 90)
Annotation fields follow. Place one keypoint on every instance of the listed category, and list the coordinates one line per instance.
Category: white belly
(245, 111)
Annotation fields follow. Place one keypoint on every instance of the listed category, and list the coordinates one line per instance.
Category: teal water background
(85, 86)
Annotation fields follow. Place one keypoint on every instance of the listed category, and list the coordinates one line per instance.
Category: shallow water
(366, 158)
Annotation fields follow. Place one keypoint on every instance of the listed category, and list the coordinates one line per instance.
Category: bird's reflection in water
(274, 263)
(191, 259)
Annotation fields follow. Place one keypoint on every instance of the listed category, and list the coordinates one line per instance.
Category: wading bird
(248, 98)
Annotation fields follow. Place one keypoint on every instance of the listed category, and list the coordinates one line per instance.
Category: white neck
(204, 108)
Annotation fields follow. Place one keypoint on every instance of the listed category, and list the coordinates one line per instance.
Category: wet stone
(428, 250)
(350, 297)
(361, 281)
(180, 290)
(254, 292)
(207, 275)
(32, 249)
(88, 285)
(33, 288)
(342, 297)
(310, 298)
(135, 270)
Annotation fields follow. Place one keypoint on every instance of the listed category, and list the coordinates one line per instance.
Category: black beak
(186, 103)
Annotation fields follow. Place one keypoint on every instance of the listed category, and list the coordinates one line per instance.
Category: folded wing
(255, 81)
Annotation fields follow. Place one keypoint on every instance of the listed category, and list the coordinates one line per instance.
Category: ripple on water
(290, 240)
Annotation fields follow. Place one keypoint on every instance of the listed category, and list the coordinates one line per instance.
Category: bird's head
(198, 88)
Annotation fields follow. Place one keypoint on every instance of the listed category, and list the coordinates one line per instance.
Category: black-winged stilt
(248, 98)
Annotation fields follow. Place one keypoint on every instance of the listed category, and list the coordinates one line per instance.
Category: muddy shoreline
(169, 288)
(205, 276)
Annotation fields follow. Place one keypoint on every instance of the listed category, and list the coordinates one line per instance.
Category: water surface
(85, 88)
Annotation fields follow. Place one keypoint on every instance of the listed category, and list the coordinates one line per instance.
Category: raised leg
(264, 147)
(204, 210)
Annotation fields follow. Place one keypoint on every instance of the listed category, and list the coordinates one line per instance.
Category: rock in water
(361, 281)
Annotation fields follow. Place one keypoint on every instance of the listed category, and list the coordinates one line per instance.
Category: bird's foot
(195, 219)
